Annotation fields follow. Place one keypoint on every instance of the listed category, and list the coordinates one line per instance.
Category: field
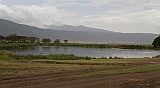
(94, 73)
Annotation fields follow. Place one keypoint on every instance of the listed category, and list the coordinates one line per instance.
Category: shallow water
(91, 52)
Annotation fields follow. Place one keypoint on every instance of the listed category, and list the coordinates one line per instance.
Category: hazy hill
(75, 33)
(76, 28)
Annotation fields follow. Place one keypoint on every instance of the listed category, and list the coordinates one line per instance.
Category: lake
(91, 52)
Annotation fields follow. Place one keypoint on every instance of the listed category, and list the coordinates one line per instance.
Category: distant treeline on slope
(13, 41)
(14, 38)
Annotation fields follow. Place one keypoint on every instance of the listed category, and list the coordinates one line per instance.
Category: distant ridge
(76, 28)
(80, 34)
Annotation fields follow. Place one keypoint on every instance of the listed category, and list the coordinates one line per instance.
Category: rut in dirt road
(132, 80)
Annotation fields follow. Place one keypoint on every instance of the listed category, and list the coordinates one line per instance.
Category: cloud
(115, 15)
(146, 22)
(23, 2)
(34, 15)
(102, 2)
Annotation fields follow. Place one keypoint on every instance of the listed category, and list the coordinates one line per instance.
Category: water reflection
(66, 49)
(57, 48)
(91, 52)
(47, 48)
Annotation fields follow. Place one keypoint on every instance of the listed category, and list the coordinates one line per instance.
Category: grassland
(13, 68)
(11, 46)
(35, 72)
(8, 56)
(121, 46)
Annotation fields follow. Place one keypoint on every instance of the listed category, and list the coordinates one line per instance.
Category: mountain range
(76, 34)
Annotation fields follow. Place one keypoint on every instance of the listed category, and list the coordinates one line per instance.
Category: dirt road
(58, 80)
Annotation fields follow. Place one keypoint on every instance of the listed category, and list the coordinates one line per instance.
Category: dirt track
(57, 80)
(149, 79)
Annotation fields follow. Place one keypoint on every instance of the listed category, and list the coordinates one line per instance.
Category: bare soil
(149, 79)
(58, 80)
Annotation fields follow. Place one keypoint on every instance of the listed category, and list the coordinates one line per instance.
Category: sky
(127, 16)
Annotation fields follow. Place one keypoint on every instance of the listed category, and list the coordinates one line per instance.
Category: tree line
(14, 38)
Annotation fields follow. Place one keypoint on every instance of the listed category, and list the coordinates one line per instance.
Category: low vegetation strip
(157, 56)
(8, 56)
(13, 46)
(121, 71)
(121, 46)
(44, 57)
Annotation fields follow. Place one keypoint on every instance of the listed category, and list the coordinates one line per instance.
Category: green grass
(49, 57)
(8, 56)
(5, 56)
(121, 46)
(21, 68)
(128, 60)
(14, 68)
(158, 87)
(121, 71)
(13, 46)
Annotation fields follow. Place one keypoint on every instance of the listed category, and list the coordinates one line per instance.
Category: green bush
(158, 56)
(6, 56)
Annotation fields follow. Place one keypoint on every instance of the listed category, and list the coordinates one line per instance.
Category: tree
(12, 38)
(2, 38)
(33, 39)
(65, 41)
(46, 40)
(22, 39)
(57, 41)
(156, 42)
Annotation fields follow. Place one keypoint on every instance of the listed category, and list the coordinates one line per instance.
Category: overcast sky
(115, 15)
